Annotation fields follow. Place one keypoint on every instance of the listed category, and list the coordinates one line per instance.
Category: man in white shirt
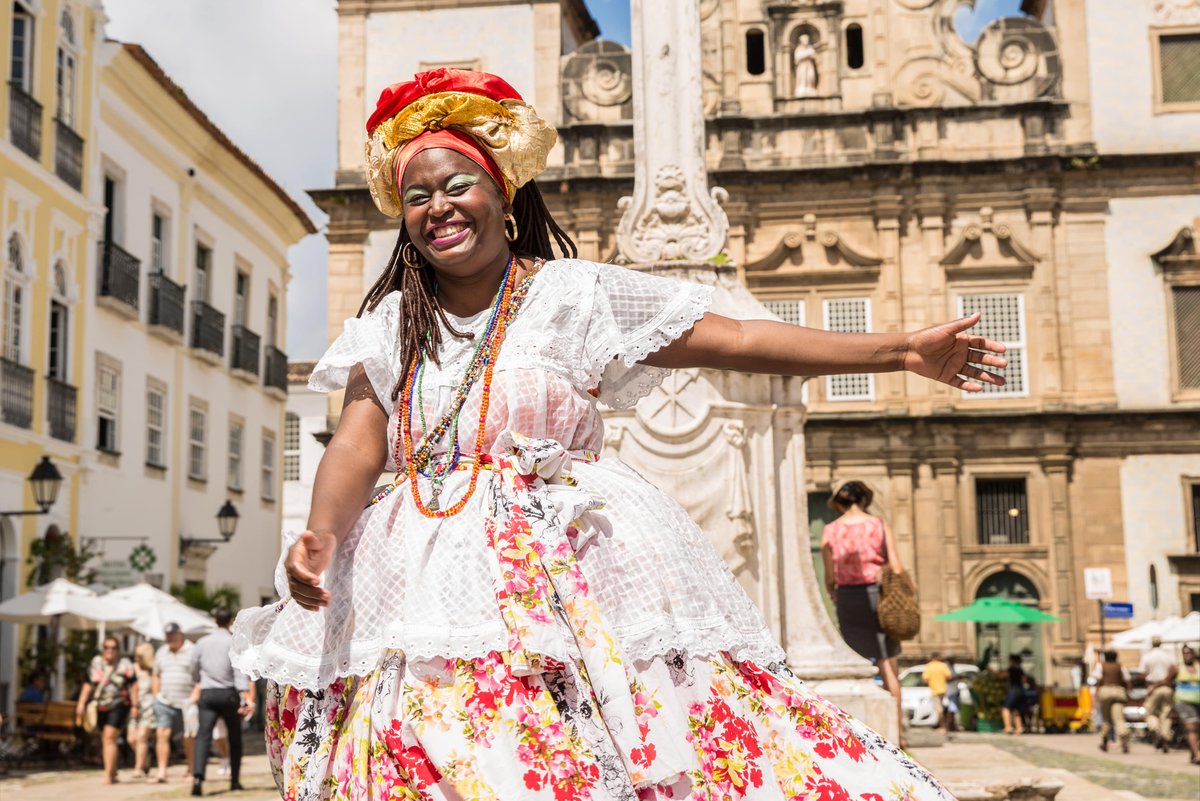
(172, 686)
(1156, 666)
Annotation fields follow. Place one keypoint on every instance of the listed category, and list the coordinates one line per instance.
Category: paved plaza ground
(969, 764)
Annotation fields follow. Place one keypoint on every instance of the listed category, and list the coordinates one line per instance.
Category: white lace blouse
(404, 581)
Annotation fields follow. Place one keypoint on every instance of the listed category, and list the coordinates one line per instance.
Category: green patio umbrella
(997, 610)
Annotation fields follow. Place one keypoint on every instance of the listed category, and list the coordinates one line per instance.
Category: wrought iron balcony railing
(68, 155)
(275, 368)
(166, 303)
(60, 409)
(208, 328)
(245, 350)
(16, 394)
(24, 120)
(120, 274)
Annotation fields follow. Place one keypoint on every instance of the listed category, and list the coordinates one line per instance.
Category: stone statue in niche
(804, 61)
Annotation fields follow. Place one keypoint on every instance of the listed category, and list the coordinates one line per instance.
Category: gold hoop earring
(509, 218)
(412, 261)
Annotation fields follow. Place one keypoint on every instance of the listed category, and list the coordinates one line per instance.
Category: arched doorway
(1011, 638)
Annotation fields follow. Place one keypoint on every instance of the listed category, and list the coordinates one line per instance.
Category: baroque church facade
(882, 174)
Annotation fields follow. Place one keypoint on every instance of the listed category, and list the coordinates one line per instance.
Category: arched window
(67, 23)
(854, 46)
(59, 346)
(1153, 587)
(14, 301)
(65, 69)
(756, 58)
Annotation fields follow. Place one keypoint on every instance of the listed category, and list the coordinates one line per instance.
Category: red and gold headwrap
(473, 113)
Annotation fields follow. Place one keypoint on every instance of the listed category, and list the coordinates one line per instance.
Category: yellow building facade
(47, 225)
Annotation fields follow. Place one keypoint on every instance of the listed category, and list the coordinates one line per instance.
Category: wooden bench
(53, 721)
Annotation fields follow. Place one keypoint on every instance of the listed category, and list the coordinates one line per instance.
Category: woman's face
(454, 212)
(109, 651)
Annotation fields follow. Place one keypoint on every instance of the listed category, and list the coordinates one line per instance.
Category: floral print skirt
(473, 729)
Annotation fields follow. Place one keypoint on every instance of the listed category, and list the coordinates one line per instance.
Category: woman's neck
(466, 295)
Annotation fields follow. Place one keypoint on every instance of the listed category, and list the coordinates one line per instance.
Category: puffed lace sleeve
(370, 339)
(633, 315)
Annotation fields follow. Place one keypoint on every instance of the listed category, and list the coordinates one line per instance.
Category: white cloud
(265, 71)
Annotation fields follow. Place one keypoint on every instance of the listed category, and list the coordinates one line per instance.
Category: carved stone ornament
(1175, 12)
(739, 512)
(673, 229)
(596, 78)
(671, 215)
(678, 405)
(1180, 255)
(915, 5)
(836, 249)
(989, 247)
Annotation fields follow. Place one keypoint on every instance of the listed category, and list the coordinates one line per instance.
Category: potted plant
(988, 689)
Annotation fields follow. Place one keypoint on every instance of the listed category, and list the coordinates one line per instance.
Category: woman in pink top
(855, 548)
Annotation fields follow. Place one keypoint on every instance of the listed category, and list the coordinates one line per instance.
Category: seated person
(35, 689)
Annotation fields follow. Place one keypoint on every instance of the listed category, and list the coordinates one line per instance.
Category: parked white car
(917, 702)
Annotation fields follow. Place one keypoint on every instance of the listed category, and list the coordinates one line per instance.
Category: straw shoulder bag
(899, 613)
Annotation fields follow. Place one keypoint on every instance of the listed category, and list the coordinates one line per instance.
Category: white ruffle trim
(623, 379)
(259, 656)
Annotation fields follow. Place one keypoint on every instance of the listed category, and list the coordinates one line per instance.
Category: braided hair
(420, 310)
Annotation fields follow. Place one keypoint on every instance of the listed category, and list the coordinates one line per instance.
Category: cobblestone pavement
(1144, 771)
(86, 785)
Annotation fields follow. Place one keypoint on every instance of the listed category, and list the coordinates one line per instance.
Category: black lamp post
(227, 520)
(45, 481)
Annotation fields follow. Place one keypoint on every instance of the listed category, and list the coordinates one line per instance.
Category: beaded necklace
(416, 459)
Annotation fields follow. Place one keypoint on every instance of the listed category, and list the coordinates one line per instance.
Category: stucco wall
(1122, 83)
(1155, 520)
(1135, 229)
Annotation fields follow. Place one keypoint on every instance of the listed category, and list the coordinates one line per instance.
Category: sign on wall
(1097, 583)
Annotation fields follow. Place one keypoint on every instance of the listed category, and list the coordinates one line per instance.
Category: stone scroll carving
(1175, 12)
(597, 83)
(673, 227)
(740, 513)
(991, 248)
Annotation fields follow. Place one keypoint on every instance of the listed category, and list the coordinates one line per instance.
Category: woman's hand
(948, 354)
(307, 559)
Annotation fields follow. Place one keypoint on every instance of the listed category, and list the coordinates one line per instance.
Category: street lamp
(227, 520)
(46, 481)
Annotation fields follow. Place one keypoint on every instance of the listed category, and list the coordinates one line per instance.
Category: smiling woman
(515, 616)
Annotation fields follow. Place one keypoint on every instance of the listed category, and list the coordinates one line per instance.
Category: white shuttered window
(790, 310)
(1004, 321)
(850, 316)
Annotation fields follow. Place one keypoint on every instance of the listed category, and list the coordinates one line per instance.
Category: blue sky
(613, 18)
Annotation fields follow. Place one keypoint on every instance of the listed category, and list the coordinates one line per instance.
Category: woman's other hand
(307, 559)
(949, 354)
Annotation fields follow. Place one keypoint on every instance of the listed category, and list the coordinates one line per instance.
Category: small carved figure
(804, 59)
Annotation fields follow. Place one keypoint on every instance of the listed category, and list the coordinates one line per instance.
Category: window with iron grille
(108, 395)
(1001, 511)
(291, 447)
(197, 438)
(203, 265)
(156, 421)
(1179, 68)
(1186, 300)
(851, 316)
(236, 431)
(268, 466)
(790, 310)
(1194, 492)
(1004, 321)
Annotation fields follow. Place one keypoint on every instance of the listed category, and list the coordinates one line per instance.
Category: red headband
(457, 141)
(394, 98)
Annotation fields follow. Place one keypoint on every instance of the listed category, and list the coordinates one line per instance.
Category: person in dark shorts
(113, 680)
(1013, 711)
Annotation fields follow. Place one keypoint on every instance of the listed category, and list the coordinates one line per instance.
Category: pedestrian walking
(221, 693)
(1187, 699)
(855, 547)
(1013, 711)
(512, 579)
(142, 724)
(1158, 666)
(1112, 690)
(172, 688)
(111, 682)
(937, 675)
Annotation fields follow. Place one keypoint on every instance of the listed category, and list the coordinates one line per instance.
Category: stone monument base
(865, 700)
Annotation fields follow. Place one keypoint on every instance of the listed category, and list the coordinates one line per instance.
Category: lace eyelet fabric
(570, 633)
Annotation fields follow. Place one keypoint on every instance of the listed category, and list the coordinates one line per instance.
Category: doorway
(1003, 639)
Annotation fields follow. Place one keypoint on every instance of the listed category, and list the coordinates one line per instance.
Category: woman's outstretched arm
(351, 465)
(946, 352)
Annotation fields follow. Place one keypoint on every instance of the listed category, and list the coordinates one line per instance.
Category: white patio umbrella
(66, 604)
(1139, 636)
(1183, 630)
(153, 609)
